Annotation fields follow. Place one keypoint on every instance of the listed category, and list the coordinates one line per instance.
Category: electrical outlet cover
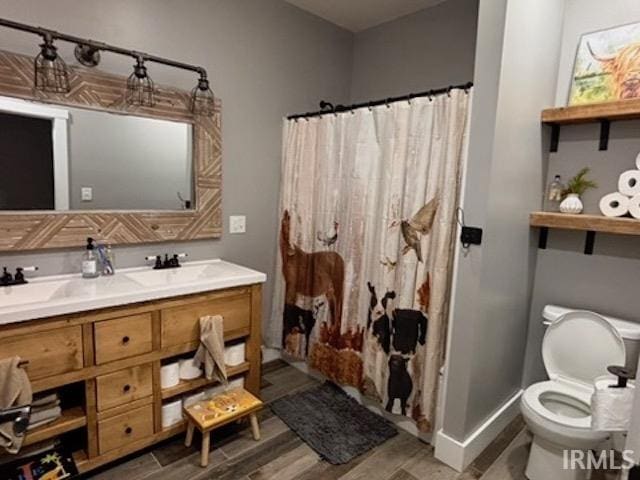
(237, 224)
(86, 194)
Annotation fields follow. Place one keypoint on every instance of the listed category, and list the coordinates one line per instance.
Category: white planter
(572, 204)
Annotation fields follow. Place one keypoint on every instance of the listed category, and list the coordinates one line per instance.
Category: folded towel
(15, 390)
(46, 406)
(43, 400)
(211, 349)
(46, 416)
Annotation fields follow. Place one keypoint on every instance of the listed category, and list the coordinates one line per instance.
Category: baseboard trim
(459, 455)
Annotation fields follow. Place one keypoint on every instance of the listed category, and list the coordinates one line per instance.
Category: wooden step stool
(227, 407)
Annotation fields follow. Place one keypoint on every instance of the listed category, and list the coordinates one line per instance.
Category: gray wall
(428, 49)
(265, 59)
(607, 281)
(515, 75)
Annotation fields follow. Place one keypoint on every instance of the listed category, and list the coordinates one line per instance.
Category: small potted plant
(575, 189)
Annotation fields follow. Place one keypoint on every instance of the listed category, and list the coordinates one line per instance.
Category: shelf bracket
(542, 239)
(589, 242)
(605, 127)
(555, 137)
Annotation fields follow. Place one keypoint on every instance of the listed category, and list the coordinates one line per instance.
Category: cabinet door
(49, 353)
(180, 325)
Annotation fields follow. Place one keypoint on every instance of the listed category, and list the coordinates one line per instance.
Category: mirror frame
(96, 90)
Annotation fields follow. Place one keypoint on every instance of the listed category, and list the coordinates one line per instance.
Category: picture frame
(606, 66)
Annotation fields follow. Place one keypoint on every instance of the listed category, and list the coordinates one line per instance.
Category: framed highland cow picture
(607, 66)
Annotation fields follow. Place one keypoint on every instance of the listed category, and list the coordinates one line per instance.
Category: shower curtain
(367, 222)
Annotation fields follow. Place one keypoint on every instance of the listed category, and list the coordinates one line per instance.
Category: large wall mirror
(86, 164)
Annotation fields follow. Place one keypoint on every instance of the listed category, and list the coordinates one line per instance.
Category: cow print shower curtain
(367, 222)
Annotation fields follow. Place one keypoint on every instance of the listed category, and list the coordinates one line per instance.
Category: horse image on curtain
(366, 241)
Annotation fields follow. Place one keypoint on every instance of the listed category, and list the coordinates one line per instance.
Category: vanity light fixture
(51, 73)
(202, 99)
(140, 86)
(50, 70)
(87, 55)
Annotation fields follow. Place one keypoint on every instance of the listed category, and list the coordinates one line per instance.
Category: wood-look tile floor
(281, 455)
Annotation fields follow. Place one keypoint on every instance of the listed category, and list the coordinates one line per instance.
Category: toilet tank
(629, 331)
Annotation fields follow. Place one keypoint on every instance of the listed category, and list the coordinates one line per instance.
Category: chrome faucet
(8, 280)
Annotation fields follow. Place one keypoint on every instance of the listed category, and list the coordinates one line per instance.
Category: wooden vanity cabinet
(117, 354)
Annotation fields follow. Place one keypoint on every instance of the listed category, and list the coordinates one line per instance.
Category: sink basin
(66, 289)
(172, 276)
(29, 293)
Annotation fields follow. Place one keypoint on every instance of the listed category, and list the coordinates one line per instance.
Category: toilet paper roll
(170, 375)
(189, 370)
(234, 355)
(634, 206)
(611, 407)
(235, 383)
(214, 391)
(171, 413)
(614, 205)
(629, 183)
(189, 400)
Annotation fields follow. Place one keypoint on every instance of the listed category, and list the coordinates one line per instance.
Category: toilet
(578, 347)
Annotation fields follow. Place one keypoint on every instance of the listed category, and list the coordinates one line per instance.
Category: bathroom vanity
(105, 340)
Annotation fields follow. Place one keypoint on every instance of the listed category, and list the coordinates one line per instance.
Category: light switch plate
(86, 194)
(237, 224)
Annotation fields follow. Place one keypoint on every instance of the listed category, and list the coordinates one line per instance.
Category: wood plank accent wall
(97, 90)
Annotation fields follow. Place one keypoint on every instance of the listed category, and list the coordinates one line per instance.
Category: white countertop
(62, 294)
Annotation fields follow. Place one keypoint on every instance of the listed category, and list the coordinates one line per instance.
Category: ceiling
(358, 15)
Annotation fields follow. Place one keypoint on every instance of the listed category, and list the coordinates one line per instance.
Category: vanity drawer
(180, 325)
(122, 337)
(124, 386)
(118, 431)
(49, 353)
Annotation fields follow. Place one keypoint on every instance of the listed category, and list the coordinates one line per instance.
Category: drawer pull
(126, 388)
(125, 339)
(128, 430)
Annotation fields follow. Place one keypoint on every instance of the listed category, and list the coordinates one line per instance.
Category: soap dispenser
(90, 261)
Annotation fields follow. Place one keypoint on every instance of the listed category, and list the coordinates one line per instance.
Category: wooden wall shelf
(602, 113)
(586, 223)
(593, 223)
(594, 113)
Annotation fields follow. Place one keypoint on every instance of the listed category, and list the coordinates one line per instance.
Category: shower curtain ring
(409, 98)
(449, 91)
(386, 103)
(370, 107)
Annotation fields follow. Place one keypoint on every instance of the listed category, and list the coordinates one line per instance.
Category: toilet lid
(579, 346)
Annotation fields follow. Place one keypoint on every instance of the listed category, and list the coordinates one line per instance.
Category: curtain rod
(326, 107)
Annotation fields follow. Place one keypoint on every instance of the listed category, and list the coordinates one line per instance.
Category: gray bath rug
(335, 425)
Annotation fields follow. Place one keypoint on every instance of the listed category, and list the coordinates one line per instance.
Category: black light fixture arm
(100, 46)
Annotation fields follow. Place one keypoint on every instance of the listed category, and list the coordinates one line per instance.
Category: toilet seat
(532, 399)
